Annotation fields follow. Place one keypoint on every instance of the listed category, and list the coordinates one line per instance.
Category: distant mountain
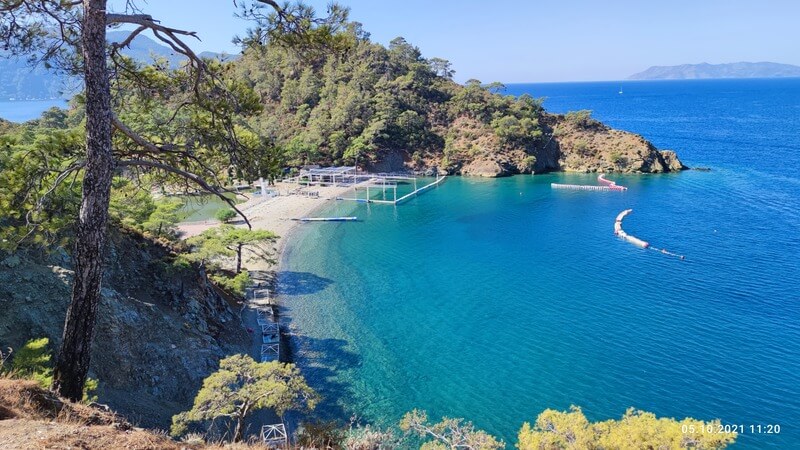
(730, 70)
(147, 50)
(20, 81)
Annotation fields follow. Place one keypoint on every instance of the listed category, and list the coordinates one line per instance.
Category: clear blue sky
(517, 41)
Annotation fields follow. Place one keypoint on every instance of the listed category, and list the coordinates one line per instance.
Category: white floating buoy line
(636, 241)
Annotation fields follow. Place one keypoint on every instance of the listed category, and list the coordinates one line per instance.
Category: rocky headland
(568, 144)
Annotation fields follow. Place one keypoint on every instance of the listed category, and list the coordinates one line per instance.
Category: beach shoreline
(278, 214)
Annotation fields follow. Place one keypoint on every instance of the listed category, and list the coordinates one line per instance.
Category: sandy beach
(277, 214)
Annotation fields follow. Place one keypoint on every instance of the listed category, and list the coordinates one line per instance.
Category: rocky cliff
(162, 327)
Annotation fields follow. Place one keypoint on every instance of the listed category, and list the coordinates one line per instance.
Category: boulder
(671, 161)
(484, 168)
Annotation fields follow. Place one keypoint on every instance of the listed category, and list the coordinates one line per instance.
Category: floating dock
(605, 185)
(327, 219)
(420, 190)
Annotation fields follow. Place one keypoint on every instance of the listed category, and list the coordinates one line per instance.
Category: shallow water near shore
(496, 299)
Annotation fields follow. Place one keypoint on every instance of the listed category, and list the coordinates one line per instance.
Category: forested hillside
(391, 109)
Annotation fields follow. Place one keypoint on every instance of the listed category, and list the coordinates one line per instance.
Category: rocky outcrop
(484, 168)
(591, 146)
(161, 329)
(568, 145)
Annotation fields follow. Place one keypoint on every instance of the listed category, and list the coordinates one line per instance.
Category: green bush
(33, 361)
(235, 285)
(528, 163)
(582, 118)
(225, 215)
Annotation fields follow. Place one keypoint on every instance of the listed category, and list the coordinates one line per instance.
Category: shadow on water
(300, 283)
(324, 360)
(321, 360)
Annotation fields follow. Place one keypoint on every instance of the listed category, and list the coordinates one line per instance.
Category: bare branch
(129, 39)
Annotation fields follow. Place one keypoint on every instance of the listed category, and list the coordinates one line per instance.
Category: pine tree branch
(200, 181)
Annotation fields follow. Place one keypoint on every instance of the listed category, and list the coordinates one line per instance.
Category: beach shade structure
(271, 333)
(265, 316)
(260, 293)
(270, 352)
(274, 435)
(333, 176)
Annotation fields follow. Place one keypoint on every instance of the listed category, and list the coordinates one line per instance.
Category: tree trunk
(73, 357)
(238, 432)
(239, 258)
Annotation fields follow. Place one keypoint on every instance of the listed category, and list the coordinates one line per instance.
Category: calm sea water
(496, 299)
(23, 110)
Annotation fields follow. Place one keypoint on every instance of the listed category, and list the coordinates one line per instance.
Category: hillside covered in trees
(390, 109)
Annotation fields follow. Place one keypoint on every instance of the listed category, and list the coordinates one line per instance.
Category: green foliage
(582, 118)
(528, 163)
(327, 434)
(517, 131)
(242, 386)
(581, 146)
(35, 201)
(236, 285)
(89, 388)
(365, 100)
(448, 434)
(225, 215)
(635, 430)
(370, 438)
(33, 361)
(130, 204)
(306, 90)
(226, 241)
(164, 218)
(133, 206)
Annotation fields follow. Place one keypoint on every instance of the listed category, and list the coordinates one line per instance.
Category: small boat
(620, 90)
(327, 219)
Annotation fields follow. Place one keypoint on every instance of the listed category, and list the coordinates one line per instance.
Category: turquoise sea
(496, 299)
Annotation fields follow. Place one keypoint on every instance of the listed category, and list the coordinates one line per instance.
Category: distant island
(707, 71)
